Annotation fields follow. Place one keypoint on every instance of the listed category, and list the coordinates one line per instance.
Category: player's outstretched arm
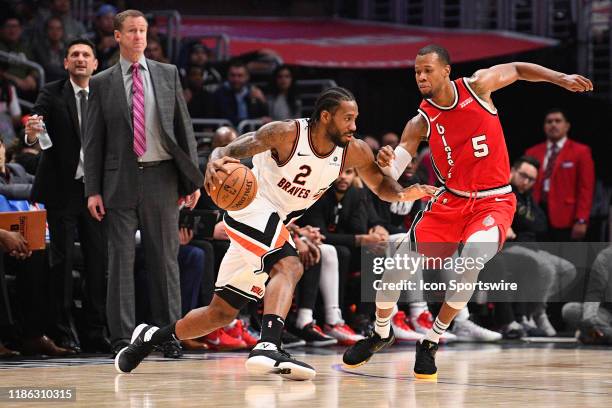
(394, 162)
(267, 137)
(360, 156)
(485, 81)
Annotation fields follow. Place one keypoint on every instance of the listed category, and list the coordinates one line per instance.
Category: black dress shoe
(99, 344)
(172, 349)
(118, 345)
(69, 344)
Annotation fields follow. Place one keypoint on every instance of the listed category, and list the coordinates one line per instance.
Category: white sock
(416, 308)
(304, 317)
(463, 315)
(333, 315)
(436, 331)
(382, 326)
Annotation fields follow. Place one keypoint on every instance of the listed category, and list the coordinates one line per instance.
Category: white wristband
(399, 164)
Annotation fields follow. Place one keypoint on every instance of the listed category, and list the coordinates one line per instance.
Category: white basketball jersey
(293, 186)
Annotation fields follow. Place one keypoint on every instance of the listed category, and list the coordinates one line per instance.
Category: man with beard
(295, 162)
(475, 207)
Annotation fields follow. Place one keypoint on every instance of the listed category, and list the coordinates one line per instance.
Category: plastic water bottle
(43, 138)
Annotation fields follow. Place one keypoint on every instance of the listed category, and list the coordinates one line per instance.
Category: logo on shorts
(257, 290)
(488, 221)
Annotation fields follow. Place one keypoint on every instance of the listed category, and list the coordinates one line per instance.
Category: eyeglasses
(526, 176)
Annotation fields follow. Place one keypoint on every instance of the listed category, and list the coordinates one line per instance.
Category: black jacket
(339, 223)
(529, 219)
(54, 184)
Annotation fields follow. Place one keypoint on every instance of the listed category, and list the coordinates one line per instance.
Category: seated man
(594, 316)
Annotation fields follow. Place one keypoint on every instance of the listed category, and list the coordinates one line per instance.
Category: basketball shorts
(449, 220)
(258, 239)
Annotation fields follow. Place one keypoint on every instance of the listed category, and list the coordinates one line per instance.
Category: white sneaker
(543, 323)
(467, 330)
(402, 329)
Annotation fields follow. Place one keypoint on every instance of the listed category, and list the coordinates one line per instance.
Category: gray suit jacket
(110, 162)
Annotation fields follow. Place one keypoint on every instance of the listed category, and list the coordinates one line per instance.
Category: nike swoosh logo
(436, 117)
(501, 199)
(216, 342)
(302, 154)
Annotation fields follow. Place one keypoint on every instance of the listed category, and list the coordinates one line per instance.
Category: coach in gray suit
(140, 164)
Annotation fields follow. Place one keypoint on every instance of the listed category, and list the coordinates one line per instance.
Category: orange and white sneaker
(425, 321)
(219, 340)
(238, 330)
(342, 332)
(403, 329)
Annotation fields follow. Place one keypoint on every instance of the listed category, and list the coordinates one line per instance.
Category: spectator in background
(49, 52)
(27, 156)
(283, 102)
(566, 181)
(61, 8)
(199, 56)
(155, 51)
(593, 317)
(237, 100)
(552, 274)
(390, 139)
(15, 182)
(199, 102)
(11, 41)
(104, 39)
(10, 111)
(31, 283)
(372, 142)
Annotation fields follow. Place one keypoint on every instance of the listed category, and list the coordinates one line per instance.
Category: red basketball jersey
(468, 150)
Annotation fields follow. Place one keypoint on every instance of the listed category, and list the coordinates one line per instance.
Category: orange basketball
(238, 189)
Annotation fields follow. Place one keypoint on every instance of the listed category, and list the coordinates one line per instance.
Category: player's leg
(267, 357)
(482, 245)
(423, 229)
(229, 298)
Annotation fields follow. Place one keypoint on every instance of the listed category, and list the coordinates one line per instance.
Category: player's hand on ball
(385, 156)
(211, 180)
(418, 191)
(576, 83)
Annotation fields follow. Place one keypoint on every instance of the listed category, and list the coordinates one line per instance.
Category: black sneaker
(172, 349)
(131, 356)
(289, 340)
(425, 360)
(266, 358)
(361, 352)
(314, 336)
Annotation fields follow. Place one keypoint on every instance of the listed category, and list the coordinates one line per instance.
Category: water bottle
(43, 138)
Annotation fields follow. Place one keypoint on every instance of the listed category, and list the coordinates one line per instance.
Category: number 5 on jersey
(480, 147)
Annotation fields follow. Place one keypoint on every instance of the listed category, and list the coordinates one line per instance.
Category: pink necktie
(138, 112)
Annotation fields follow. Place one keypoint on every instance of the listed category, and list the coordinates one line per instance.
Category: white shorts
(258, 239)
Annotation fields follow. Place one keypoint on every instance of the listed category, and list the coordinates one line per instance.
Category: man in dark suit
(236, 99)
(566, 180)
(140, 164)
(59, 185)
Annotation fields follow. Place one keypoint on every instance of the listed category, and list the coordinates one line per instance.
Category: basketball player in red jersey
(294, 162)
(475, 206)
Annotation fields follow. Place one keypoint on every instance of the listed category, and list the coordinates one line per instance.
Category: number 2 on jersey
(480, 148)
(300, 177)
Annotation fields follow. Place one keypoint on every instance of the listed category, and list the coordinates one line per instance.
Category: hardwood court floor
(535, 375)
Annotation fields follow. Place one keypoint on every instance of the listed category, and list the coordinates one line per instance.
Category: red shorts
(449, 220)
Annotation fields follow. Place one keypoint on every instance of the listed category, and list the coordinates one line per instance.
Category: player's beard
(427, 95)
(336, 136)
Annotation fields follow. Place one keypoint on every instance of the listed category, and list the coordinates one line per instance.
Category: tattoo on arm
(249, 144)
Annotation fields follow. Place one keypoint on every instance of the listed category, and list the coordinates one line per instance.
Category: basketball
(238, 188)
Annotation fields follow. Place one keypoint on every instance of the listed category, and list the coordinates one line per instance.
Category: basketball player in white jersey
(295, 162)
